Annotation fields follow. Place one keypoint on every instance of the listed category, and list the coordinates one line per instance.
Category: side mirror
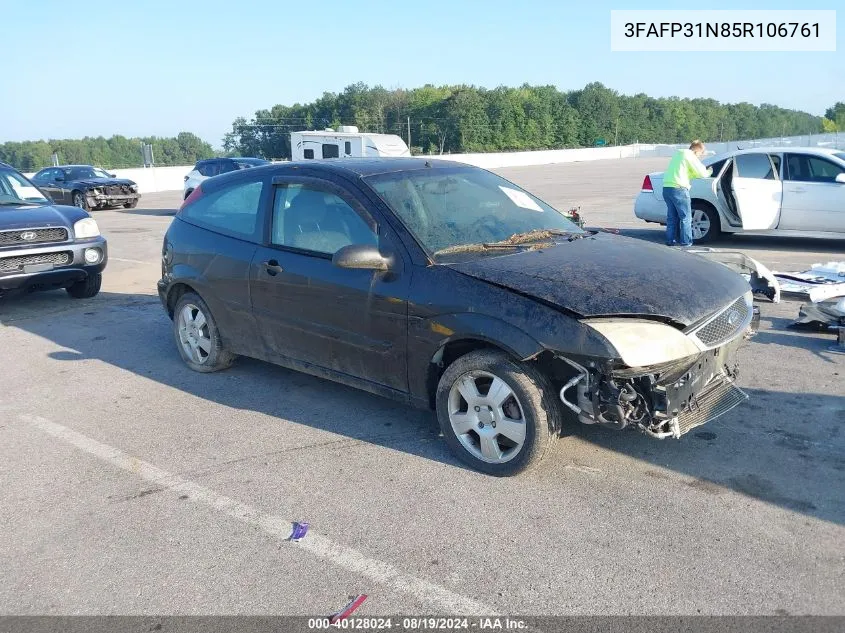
(840, 178)
(59, 179)
(361, 257)
(112, 176)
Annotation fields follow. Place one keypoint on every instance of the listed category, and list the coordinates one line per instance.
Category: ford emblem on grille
(28, 236)
(733, 317)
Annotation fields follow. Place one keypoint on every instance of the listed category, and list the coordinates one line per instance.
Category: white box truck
(346, 142)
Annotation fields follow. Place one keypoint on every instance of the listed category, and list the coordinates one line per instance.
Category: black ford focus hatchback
(450, 288)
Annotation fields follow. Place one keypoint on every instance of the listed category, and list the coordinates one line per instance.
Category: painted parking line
(320, 546)
(130, 261)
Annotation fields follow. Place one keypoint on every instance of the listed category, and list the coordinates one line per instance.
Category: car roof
(821, 151)
(368, 166)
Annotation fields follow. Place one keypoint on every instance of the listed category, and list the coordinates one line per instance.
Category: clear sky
(158, 67)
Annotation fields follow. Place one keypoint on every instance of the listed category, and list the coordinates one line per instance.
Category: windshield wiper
(537, 234)
(472, 248)
(18, 203)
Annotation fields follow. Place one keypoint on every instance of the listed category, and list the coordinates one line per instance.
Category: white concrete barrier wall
(155, 179)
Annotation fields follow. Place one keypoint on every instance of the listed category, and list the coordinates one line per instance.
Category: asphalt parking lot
(132, 485)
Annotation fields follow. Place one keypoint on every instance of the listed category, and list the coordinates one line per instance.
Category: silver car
(208, 168)
(789, 192)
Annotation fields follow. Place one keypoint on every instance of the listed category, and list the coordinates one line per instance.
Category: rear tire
(705, 223)
(507, 430)
(87, 288)
(197, 337)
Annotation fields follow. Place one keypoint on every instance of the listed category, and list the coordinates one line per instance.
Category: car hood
(102, 182)
(12, 218)
(609, 275)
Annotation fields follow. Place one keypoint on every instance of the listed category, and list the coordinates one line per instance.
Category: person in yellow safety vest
(684, 167)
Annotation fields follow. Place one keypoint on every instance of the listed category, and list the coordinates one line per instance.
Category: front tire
(706, 226)
(131, 205)
(79, 200)
(197, 337)
(87, 288)
(497, 415)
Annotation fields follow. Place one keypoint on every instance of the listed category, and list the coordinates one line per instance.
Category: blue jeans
(678, 216)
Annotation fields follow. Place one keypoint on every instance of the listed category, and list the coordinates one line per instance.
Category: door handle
(272, 267)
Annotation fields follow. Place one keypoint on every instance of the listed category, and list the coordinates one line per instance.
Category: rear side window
(331, 151)
(232, 210)
(227, 165)
(755, 166)
(209, 168)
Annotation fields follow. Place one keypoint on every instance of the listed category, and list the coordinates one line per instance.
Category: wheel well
(174, 294)
(447, 355)
(704, 204)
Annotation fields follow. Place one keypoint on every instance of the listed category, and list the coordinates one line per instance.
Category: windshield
(467, 207)
(81, 173)
(15, 189)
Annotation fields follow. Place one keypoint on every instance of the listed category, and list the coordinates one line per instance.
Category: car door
(757, 191)
(351, 321)
(812, 199)
(46, 181)
(227, 228)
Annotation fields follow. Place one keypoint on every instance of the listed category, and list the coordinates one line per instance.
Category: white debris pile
(824, 286)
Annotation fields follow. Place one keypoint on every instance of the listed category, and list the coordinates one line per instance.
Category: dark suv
(211, 167)
(43, 245)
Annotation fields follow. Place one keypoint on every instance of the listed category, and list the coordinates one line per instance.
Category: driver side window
(48, 175)
(313, 219)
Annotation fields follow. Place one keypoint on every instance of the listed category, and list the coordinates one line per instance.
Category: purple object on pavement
(299, 530)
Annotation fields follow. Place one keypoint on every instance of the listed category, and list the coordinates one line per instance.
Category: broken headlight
(643, 343)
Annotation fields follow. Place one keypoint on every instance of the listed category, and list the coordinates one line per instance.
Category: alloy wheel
(487, 417)
(194, 336)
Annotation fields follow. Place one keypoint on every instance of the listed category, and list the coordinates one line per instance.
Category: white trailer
(346, 142)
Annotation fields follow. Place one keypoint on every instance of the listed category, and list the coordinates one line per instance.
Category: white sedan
(789, 192)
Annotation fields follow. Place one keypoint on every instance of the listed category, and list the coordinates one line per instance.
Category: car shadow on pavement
(782, 448)
(154, 212)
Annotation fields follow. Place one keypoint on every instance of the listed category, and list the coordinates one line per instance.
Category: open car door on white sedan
(752, 191)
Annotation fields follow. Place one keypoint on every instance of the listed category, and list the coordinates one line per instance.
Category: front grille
(32, 236)
(719, 397)
(725, 326)
(118, 190)
(17, 263)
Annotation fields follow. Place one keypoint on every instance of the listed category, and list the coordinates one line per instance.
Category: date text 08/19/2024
(418, 624)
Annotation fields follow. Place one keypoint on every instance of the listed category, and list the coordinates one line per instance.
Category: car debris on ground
(299, 531)
(762, 280)
(824, 286)
(348, 609)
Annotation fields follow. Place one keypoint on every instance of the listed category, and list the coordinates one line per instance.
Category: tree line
(110, 153)
(458, 119)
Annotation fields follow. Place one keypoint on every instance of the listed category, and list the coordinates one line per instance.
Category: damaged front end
(668, 386)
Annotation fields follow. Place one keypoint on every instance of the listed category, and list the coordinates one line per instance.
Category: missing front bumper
(661, 402)
(719, 397)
